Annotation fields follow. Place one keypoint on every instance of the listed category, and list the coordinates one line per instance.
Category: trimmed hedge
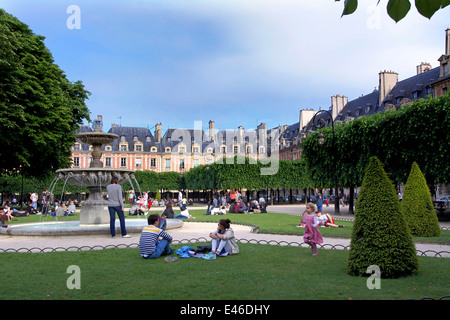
(418, 207)
(380, 234)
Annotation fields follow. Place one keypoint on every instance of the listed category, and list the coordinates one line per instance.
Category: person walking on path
(312, 234)
(115, 204)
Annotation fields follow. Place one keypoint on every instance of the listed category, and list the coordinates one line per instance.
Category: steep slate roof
(143, 135)
(173, 137)
(362, 106)
(412, 88)
(289, 136)
(241, 137)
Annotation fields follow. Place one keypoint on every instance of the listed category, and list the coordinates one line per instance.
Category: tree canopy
(40, 109)
(398, 9)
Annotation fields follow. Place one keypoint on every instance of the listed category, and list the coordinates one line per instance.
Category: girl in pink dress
(312, 234)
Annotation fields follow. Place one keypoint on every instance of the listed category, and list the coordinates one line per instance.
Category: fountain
(95, 209)
(94, 215)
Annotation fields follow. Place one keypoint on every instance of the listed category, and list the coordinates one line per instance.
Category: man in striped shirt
(154, 242)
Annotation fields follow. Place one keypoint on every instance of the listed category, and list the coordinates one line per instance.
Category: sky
(236, 62)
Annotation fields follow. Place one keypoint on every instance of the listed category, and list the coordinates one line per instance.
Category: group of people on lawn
(155, 242)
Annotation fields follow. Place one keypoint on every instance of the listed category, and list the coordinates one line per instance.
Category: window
(138, 147)
(182, 149)
(108, 148)
(123, 162)
(153, 149)
(138, 162)
(153, 163)
(167, 163)
(196, 163)
(77, 147)
(123, 147)
(224, 149)
(181, 164)
(236, 149)
(108, 162)
(76, 161)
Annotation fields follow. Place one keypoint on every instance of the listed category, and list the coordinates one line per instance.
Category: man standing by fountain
(115, 204)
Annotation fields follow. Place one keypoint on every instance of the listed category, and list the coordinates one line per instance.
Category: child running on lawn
(312, 234)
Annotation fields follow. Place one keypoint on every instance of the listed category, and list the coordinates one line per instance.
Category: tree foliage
(418, 207)
(380, 234)
(242, 173)
(398, 9)
(40, 109)
(417, 132)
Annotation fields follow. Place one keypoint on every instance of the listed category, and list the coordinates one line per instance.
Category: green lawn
(257, 272)
(273, 223)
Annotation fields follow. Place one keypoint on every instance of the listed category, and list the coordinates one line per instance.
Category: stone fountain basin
(97, 137)
(93, 177)
(72, 228)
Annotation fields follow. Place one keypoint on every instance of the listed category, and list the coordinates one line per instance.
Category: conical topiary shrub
(417, 206)
(380, 234)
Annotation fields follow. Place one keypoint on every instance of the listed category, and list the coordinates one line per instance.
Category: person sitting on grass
(326, 220)
(223, 240)
(154, 242)
(184, 214)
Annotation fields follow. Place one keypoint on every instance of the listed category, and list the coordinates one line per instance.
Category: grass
(257, 272)
(270, 223)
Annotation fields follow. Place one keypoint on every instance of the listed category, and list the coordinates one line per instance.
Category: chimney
(387, 81)
(158, 132)
(423, 67)
(305, 117)
(212, 130)
(447, 42)
(338, 103)
(263, 130)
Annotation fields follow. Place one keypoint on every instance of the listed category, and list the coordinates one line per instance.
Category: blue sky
(234, 62)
